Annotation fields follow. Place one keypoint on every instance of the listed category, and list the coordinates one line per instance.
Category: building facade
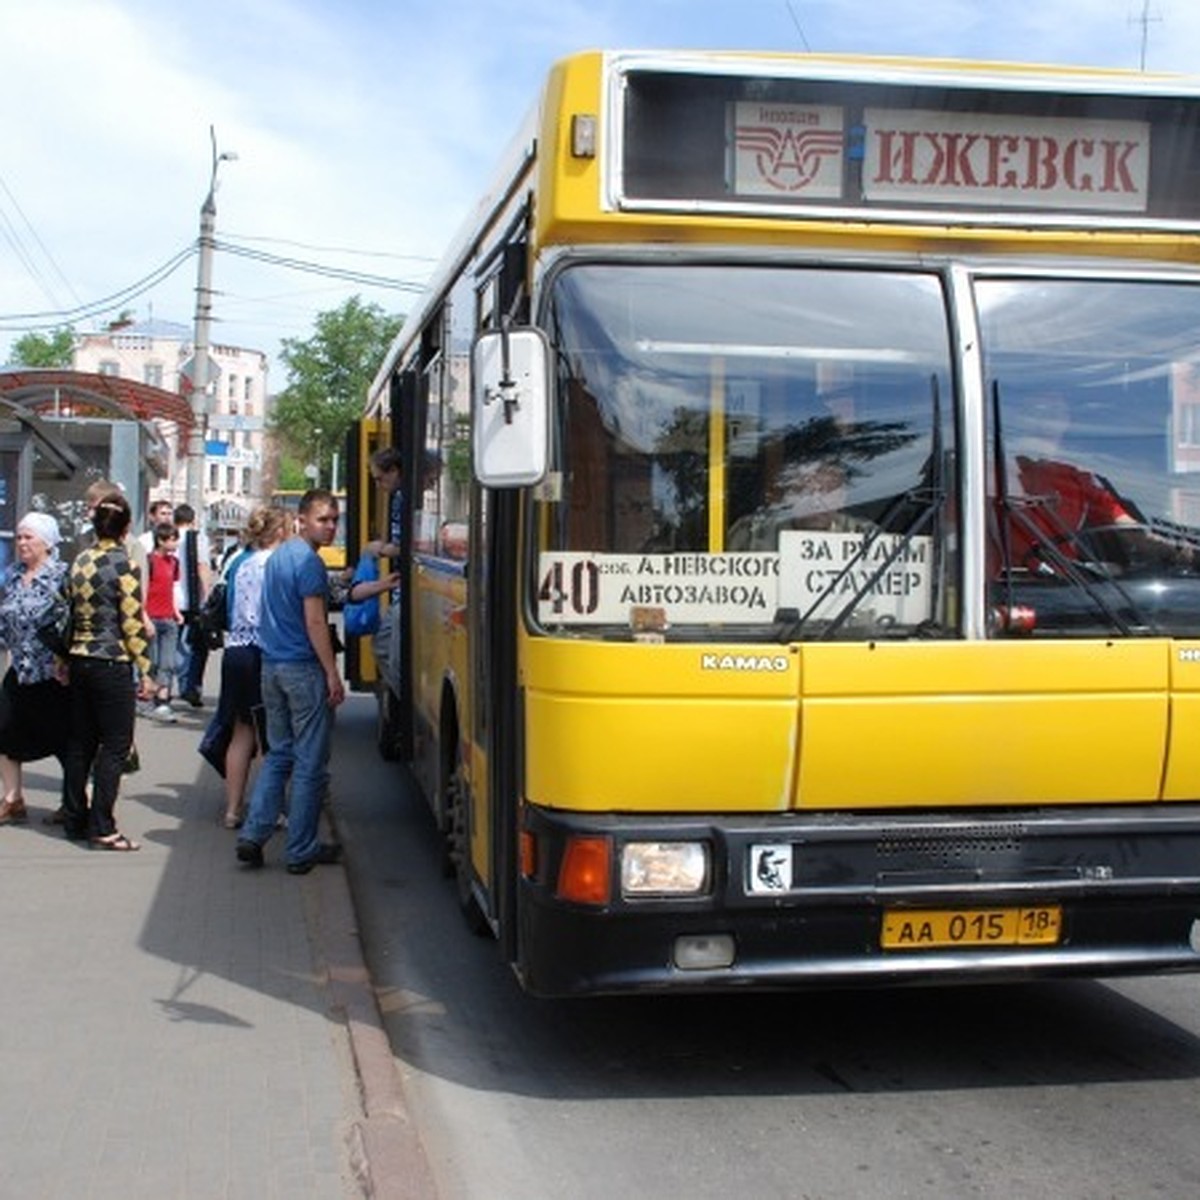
(160, 353)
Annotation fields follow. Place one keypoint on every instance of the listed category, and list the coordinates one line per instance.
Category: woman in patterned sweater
(33, 700)
(108, 645)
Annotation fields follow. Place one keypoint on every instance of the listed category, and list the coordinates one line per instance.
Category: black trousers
(196, 643)
(103, 696)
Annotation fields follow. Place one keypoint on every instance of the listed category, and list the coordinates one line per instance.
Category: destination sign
(1051, 146)
(816, 573)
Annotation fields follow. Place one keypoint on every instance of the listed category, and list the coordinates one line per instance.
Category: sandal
(114, 841)
(12, 812)
(232, 820)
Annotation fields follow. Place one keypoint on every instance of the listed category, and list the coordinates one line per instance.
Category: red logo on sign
(786, 159)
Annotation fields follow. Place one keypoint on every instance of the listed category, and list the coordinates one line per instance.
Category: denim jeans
(191, 659)
(299, 726)
(162, 653)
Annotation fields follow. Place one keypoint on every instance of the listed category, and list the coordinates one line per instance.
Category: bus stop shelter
(61, 430)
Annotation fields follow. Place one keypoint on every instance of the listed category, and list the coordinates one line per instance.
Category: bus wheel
(387, 728)
(459, 845)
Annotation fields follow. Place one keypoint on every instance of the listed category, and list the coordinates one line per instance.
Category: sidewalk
(177, 1026)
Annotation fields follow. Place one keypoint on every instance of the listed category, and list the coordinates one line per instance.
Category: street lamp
(316, 475)
(198, 436)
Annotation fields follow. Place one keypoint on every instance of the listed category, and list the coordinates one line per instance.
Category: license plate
(939, 928)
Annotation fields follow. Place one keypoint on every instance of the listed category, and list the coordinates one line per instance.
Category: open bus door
(363, 438)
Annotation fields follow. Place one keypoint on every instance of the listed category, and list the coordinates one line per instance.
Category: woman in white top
(232, 738)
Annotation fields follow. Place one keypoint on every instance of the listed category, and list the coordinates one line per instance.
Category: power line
(30, 322)
(799, 27)
(312, 268)
(246, 237)
(14, 239)
(52, 319)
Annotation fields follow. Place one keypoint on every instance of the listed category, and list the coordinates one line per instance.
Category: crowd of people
(123, 630)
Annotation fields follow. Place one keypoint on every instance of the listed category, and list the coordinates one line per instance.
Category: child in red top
(162, 569)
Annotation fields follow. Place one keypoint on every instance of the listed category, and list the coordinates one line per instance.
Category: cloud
(372, 125)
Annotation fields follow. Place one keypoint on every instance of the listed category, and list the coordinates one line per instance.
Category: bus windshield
(763, 450)
(1094, 455)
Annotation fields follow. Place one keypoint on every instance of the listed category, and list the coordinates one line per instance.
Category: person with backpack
(190, 593)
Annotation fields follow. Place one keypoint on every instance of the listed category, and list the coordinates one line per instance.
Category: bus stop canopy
(53, 392)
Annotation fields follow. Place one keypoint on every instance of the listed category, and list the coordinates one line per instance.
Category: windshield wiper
(1083, 575)
(929, 497)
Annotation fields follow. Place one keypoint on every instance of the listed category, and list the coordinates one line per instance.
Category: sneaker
(164, 712)
(249, 853)
(193, 698)
(327, 854)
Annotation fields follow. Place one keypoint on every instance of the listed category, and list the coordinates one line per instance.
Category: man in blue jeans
(301, 687)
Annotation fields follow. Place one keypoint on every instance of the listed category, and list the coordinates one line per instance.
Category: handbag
(210, 624)
(360, 618)
(215, 611)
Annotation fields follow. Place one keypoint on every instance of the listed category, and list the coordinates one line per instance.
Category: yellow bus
(334, 555)
(807, 590)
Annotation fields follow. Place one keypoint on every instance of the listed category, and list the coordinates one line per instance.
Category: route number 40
(575, 588)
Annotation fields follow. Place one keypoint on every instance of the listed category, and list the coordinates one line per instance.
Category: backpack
(360, 618)
(214, 612)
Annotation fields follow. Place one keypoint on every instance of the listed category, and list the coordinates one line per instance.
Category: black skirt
(34, 719)
(241, 684)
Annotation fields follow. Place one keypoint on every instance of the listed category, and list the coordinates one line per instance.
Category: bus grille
(948, 847)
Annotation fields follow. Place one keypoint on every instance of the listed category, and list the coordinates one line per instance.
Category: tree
(328, 377)
(40, 350)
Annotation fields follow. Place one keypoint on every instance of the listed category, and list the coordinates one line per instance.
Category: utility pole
(198, 436)
(1144, 21)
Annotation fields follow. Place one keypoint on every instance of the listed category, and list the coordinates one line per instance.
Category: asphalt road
(1074, 1089)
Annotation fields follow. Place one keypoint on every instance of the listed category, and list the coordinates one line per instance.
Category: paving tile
(175, 1035)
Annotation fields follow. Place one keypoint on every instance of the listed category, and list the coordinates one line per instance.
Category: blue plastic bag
(360, 618)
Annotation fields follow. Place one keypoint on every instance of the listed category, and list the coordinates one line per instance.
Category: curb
(386, 1154)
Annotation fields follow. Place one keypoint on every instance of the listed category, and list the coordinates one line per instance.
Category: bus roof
(896, 142)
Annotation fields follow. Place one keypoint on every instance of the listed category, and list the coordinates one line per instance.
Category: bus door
(364, 518)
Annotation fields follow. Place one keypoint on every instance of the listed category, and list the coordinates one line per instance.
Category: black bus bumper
(1125, 882)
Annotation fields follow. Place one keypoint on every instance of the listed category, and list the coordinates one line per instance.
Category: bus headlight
(664, 868)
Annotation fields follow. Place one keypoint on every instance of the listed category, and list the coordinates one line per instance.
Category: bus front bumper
(875, 899)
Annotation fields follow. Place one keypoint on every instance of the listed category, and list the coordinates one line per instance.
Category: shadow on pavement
(454, 1010)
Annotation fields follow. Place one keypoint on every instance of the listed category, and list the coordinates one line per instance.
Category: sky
(365, 130)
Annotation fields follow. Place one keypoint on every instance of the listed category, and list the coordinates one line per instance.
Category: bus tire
(387, 727)
(459, 845)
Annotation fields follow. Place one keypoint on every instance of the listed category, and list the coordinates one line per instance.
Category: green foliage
(328, 376)
(458, 451)
(39, 350)
(291, 475)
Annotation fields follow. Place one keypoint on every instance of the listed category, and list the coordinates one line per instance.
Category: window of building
(214, 477)
(245, 481)
(1189, 424)
(152, 373)
(110, 366)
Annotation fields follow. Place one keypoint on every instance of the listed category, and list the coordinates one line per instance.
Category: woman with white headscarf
(34, 708)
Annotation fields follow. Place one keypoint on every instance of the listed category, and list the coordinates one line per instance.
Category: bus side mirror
(510, 371)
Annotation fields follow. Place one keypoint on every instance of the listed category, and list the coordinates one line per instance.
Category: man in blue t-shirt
(301, 687)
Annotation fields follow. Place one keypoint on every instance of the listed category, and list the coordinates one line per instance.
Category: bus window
(1094, 493)
(730, 411)
(334, 555)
